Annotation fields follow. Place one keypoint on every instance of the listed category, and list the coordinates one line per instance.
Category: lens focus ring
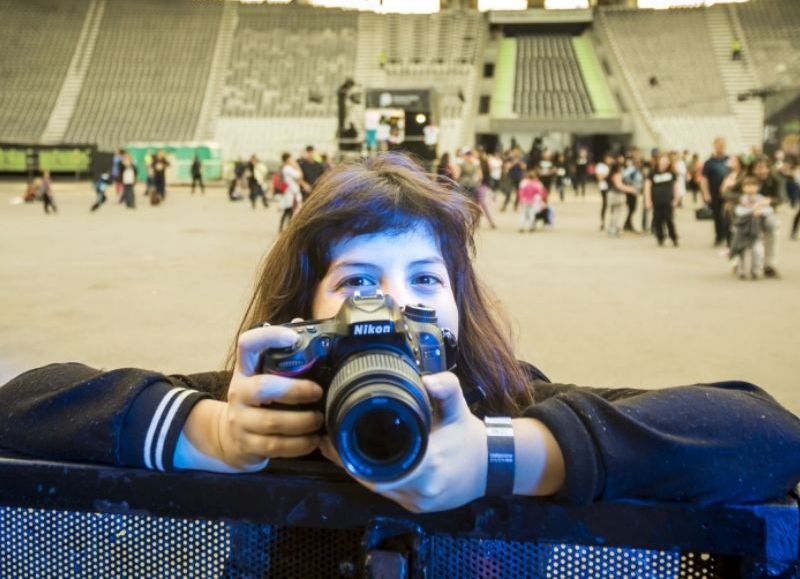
(367, 364)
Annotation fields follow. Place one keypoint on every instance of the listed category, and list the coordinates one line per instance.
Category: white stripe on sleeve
(162, 437)
(148, 441)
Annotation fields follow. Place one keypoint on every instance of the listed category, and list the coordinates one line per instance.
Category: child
(100, 188)
(533, 198)
(748, 237)
(385, 224)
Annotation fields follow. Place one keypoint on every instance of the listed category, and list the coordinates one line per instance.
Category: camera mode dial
(420, 313)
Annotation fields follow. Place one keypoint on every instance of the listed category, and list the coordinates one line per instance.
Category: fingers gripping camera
(369, 359)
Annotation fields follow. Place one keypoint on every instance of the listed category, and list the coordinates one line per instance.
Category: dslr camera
(369, 359)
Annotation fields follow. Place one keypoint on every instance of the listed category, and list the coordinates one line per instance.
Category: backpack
(278, 183)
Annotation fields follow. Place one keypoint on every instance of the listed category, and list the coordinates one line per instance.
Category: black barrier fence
(306, 520)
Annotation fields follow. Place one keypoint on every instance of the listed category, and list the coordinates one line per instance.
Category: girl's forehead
(414, 243)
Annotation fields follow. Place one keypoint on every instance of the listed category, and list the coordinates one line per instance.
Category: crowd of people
(740, 194)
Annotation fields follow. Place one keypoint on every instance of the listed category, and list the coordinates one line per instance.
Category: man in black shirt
(311, 168)
(714, 172)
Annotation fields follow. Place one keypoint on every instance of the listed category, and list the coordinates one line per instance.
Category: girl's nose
(399, 292)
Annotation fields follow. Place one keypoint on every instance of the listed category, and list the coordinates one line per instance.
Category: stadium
(156, 156)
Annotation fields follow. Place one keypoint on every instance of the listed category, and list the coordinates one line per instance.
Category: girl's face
(408, 266)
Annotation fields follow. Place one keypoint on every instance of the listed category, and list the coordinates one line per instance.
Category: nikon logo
(371, 329)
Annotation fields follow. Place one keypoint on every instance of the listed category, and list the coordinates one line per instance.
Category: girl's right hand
(245, 432)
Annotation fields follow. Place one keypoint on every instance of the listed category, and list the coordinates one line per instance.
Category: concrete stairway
(212, 101)
(737, 76)
(73, 83)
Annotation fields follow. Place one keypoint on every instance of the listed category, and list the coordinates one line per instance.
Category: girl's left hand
(453, 470)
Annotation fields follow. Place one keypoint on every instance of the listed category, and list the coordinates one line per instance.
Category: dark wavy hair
(390, 193)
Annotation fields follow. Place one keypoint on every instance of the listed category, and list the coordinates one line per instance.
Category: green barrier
(65, 160)
(600, 94)
(504, 73)
(12, 160)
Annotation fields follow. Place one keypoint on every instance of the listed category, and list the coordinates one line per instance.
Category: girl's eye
(426, 279)
(356, 281)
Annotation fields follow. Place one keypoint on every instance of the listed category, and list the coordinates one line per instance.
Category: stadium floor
(164, 287)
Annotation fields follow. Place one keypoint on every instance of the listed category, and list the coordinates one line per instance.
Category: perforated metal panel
(494, 559)
(45, 543)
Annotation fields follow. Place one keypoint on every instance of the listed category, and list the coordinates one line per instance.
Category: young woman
(386, 224)
(618, 193)
(662, 194)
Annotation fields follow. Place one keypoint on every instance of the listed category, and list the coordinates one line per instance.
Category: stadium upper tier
(287, 61)
(148, 75)
(772, 35)
(446, 38)
(548, 81)
(37, 41)
(113, 72)
(670, 59)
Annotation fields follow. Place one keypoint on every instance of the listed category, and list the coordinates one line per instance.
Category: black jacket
(722, 442)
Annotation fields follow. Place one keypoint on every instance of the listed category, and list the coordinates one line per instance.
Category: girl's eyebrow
(428, 261)
(366, 265)
(354, 264)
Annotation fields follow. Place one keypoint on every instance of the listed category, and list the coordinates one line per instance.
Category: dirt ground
(164, 287)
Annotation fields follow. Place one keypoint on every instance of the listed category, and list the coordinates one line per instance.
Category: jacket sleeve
(126, 417)
(707, 443)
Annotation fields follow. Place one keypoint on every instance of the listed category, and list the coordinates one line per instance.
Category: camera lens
(382, 435)
(379, 415)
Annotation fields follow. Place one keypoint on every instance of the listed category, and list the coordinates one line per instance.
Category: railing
(305, 519)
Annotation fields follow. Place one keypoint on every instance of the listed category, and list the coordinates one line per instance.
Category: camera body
(369, 359)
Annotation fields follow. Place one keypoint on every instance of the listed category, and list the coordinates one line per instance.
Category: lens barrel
(379, 415)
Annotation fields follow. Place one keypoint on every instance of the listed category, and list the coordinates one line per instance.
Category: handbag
(704, 213)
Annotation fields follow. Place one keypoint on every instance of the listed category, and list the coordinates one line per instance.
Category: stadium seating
(771, 36)
(418, 42)
(148, 76)
(287, 61)
(208, 68)
(670, 59)
(548, 79)
(37, 41)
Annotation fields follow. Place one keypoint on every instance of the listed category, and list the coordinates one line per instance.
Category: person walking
(254, 184)
(515, 172)
(197, 175)
(312, 169)
(45, 191)
(617, 190)
(715, 170)
(469, 174)
(160, 166)
(581, 172)
(601, 173)
(100, 188)
(292, 197)
(128, 175)
(116, 172)
(661, 194)
(772, 187)
(632, 176)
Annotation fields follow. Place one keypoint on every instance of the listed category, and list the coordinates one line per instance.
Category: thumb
(446, 389)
